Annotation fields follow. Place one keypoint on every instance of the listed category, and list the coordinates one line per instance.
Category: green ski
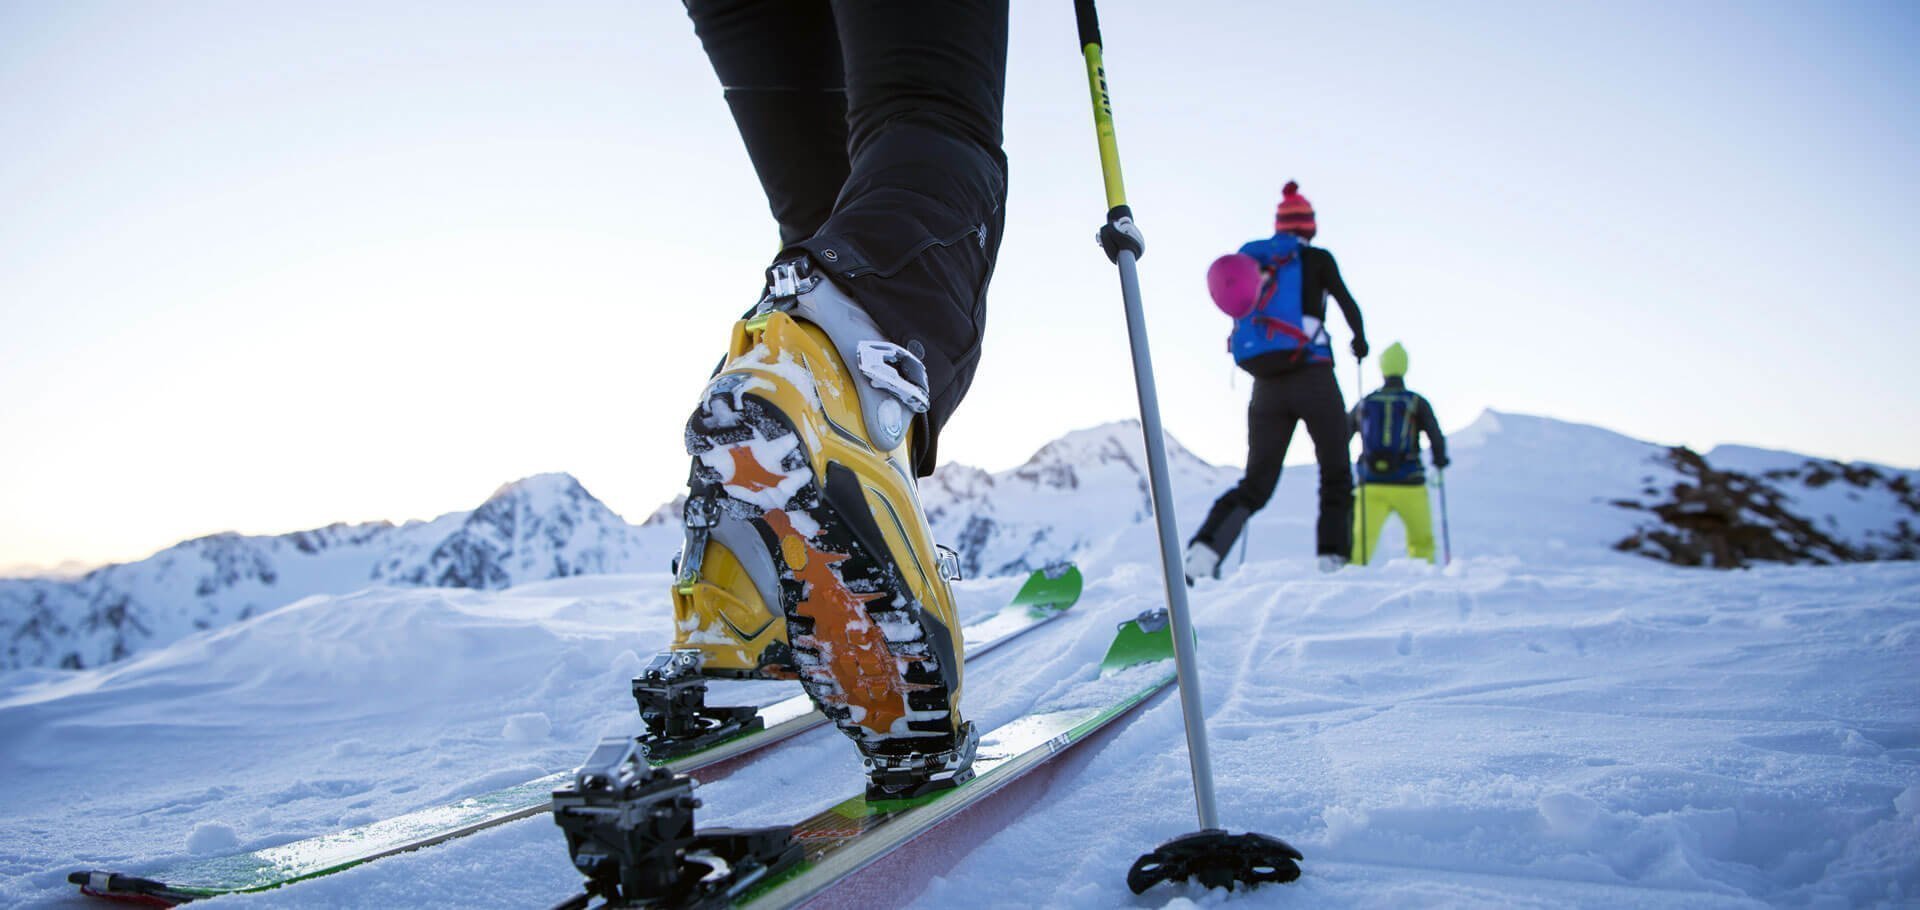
(1046, 594)
(630, 828)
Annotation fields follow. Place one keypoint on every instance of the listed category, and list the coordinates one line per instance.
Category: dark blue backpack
(1276, 322)
(1389, 440)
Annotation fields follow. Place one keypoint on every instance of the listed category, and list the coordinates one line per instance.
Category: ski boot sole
(874, 662)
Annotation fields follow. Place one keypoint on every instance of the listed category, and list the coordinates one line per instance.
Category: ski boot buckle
(699, 516)
(947, 561)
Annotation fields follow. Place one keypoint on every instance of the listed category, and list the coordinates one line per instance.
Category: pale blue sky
(269, 265)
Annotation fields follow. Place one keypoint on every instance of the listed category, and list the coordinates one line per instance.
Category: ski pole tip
(1217, 859)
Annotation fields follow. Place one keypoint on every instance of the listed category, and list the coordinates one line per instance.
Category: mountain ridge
(1591, 492)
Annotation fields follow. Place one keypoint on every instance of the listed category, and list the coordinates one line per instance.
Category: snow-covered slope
(1501, 734)
(546, 526)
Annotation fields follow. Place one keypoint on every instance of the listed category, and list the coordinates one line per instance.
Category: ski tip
(1055, 587)
(1143, 639)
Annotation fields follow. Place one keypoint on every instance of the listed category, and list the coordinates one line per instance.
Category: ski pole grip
(1089, 21)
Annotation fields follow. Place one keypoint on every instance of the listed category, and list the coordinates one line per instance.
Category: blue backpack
(1276, 322)
(1389, 441)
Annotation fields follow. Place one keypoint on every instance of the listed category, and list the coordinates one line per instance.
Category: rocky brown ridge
(1730, 519)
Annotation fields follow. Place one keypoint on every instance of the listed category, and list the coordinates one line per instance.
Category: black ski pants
(1309, 395)
(875, 129)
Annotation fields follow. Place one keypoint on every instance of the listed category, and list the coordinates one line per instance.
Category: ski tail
(1143, 639)
(1050, 589)
(128, 889)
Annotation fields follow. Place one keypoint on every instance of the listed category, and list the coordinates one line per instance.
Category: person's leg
(1270, 424)
(1369, 513)
(917, 226)
(1415, 512)
(790, 105)
(875, 128)
(1325, 413)
(802, 494)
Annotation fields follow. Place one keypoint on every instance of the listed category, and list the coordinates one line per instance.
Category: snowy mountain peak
(541, 491)
(1531, 432)
(539, 527)
(1060, 463)
(1075, 498)
(668, 514)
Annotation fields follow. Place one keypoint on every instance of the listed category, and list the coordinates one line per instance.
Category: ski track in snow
(1505, 733)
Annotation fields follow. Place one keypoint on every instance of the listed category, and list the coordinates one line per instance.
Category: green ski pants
(1409, 501)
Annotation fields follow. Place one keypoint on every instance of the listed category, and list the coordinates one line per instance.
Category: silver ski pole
(1360, 382)
(1249, 858)
(1446, 536)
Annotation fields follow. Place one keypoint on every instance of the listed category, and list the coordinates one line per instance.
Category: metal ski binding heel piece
(917, 774)
(672, 691)
(1212, 856)
(672, 696)
(630, 831)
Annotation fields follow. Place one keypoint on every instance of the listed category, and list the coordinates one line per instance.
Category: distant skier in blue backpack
(1280, 337)
(1390, 423)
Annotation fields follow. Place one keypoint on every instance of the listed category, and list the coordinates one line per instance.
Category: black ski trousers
(875, 129)
(1280, 402)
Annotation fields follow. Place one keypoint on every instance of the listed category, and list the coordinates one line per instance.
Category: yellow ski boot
(807, 551)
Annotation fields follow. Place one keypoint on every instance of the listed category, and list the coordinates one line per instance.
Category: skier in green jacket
(1390, 422)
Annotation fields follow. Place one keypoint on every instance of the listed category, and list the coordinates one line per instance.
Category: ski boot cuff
(890, 380)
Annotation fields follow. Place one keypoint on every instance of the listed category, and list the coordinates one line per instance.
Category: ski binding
(629, 829)
(672, 696)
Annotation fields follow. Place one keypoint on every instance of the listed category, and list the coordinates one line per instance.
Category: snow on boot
(810, 549)
(1330, 563)
(1201, 562)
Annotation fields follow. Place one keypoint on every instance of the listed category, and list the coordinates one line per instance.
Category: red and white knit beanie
(1295, 214)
